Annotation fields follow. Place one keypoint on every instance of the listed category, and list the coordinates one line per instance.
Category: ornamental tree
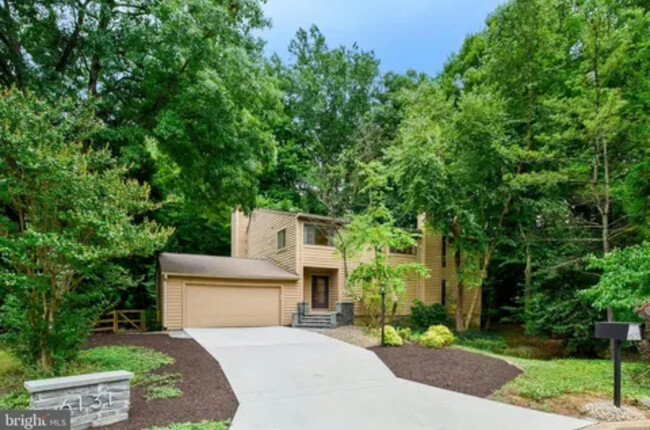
(66, 215)
(369, 237)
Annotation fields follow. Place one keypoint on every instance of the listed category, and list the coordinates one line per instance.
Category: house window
(443, 293)
(444, 251)
(282, 238)
(318, 235)
(410, 250)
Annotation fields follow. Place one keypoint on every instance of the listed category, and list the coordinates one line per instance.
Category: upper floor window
(410, 250)
(282, 238)
(318, 235)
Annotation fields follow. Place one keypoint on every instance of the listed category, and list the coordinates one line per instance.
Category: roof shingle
(222, 267)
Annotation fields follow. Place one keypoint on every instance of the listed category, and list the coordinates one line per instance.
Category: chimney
(238, 239)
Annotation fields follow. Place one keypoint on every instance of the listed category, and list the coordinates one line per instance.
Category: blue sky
(404, 34)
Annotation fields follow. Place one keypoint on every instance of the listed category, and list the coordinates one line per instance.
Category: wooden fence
(121, 319)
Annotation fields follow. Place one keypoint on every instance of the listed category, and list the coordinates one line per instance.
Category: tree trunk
(460, 285)
(470, 314)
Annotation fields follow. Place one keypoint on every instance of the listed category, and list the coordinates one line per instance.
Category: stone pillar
(344, 313)
(94, 400)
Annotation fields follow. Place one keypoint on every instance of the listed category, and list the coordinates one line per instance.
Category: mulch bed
(206, 392)
(448, 368)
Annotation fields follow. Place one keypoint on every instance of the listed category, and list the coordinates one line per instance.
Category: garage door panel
(231, 306)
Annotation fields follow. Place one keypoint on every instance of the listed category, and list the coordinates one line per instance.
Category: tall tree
(189, 76)
(68, 214)
(327, 93)
(453, 164)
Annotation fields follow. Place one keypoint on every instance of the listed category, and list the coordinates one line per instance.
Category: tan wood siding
(320, 256)
(263, 238)
(174, 305)
(412, 282)
(433, 261)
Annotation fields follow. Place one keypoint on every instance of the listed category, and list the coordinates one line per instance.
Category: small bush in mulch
(391, 338)
(204, 392)
(437, 336)
(448, 368)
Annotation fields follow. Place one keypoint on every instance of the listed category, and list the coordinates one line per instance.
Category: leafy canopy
(69, 213)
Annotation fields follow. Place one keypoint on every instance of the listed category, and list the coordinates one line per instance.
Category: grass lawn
(544, 379)
(564, 385)
(140, 361)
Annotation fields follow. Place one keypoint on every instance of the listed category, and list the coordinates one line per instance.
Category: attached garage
(207, 291)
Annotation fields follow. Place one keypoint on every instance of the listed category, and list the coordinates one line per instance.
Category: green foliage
(424, 316)
(374, 232)
(560, 313)
(391, 336)
(482, 340)
(201, 99)
(141, 361)
(546, 379)
(328, 93)
(437, 336)
(408, 335)
(625, 281)
(161, 392)
(135, 359)
(70, 214)
(202, 425)
(521, 351)
(160, 385)
(448, 154)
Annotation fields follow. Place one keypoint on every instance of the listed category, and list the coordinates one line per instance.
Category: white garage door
(231, 306)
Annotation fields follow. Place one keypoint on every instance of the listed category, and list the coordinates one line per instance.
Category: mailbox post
(618, 331)
(383, 313)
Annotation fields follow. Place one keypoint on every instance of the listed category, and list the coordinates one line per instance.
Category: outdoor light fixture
(618, 331)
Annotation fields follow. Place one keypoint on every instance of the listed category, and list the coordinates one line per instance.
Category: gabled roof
(222, 267)
(306, 216)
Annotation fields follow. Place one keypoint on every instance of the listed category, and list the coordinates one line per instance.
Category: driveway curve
(287, 378)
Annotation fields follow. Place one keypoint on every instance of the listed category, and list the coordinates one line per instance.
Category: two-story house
(283, 271)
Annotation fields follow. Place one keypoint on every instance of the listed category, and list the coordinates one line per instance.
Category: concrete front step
(314, 326)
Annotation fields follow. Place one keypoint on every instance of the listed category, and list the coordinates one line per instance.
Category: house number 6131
(97, 402)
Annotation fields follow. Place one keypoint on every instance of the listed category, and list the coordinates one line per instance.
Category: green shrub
(391, 337)
(522, 351)
(437, 336)
(481, 340)
(424, 316)
(161, 385)
(132, 358)
(161, 392)
(202, 425)
(17, 399)
(409, 335)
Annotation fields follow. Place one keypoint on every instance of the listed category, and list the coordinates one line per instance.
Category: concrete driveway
(289, 378)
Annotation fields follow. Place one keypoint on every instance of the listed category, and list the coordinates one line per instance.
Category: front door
(320, 292)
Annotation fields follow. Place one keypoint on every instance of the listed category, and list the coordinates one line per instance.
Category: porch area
(321, 306)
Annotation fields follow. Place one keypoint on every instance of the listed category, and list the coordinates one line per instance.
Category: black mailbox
(619, 330)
